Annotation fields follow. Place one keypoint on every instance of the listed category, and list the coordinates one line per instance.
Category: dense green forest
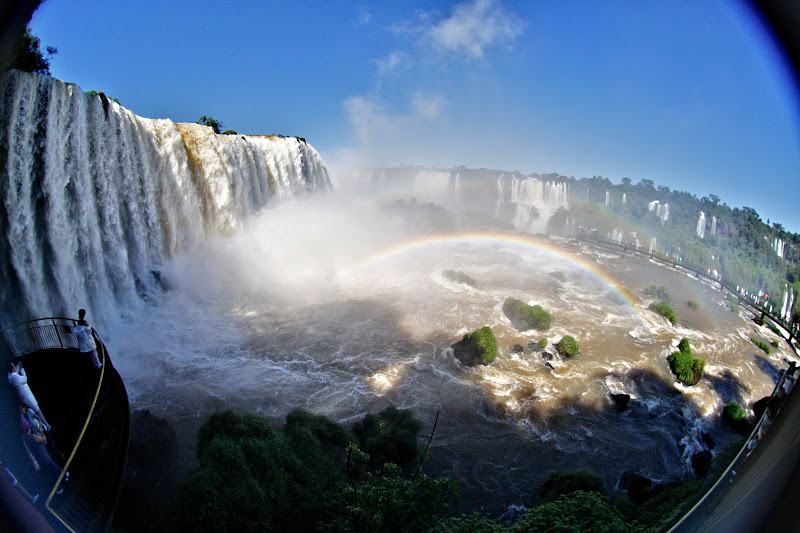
(741, 248)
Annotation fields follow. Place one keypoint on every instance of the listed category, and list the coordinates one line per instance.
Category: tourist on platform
(86, 342)
(19, 380)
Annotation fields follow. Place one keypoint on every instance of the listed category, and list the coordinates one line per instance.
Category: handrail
(33, 335)
(78, 442)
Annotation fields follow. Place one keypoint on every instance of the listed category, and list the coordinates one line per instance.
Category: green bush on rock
(542, 342)
(760, 344)
(663, 309)
(686, 368)
(567, 346)
(692, 304)
(478, 347)
(524, 316)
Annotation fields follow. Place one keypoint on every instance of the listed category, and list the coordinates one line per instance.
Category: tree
(29, 56)
(211, 122)
(626, 181)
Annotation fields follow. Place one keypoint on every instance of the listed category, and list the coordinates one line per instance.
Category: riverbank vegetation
(312, 474)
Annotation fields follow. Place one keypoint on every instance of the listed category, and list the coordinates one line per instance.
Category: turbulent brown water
(271, 320)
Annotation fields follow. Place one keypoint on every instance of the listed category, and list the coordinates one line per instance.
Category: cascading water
(653, 247)
(96, 197)
(713, 226)
(701, 225)
(661, 210)
(536, 202)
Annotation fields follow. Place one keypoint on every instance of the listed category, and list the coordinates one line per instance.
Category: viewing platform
(88, 410)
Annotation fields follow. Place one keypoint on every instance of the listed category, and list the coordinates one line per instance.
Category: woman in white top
(19, 380)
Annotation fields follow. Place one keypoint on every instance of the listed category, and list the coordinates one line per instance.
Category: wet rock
(708, 440)
(638, 486)
(765, 404)
(534, 347)
(547, 356)
(549, 366)
(621, 401)
(517, 348)
(701, 463)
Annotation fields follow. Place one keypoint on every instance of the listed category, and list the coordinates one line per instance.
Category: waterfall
(661, 210)
(624, 198)
(616, 236)
(96, 197)
(701, 225)
(433, 186)
(608, 198)
(779, 246)
(499, 204)
(458, 195)
(653, 248)
(713, 226)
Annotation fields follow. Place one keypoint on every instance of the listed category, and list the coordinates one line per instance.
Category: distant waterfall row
(97, 197)
(526, 202)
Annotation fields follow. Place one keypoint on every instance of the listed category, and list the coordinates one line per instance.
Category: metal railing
(41, 334)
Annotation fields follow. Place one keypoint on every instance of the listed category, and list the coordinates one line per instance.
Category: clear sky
(691, 94)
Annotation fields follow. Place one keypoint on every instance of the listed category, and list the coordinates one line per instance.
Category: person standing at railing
(19, 380)
(86, 342)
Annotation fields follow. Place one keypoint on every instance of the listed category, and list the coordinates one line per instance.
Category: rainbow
(489, 238)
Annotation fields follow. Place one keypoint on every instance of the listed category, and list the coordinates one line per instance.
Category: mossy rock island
(663, 309)
(524, 317)
(478, 347)
(567, 346)
(459, 277)
(686, 368)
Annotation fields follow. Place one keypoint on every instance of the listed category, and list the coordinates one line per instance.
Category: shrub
(774, 328)
(663, 309)
(686, 368)
(252, 475)
(775, 344)
(658, 292)
(563, 482)
(735, 412)
(692, 304)
(389, 502)
(542, 342)
(524, 316)
(684, 346)
(578, 511)
(760, 344)
(459, 277)
(389, 436)
(567, 346)
(734, 308)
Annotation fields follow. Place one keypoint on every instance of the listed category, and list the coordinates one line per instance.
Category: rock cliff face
(478, 347)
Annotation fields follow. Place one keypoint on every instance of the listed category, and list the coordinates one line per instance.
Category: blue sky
(691, 94)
